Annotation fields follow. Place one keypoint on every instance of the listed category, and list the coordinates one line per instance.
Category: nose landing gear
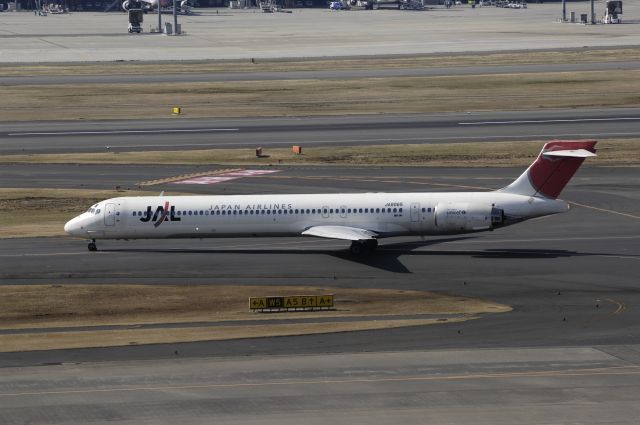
(92, 245)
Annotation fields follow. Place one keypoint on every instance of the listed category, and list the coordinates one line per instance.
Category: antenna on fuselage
(162, 193)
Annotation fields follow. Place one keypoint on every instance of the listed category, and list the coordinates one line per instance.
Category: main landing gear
(92, 245)
(363, 247)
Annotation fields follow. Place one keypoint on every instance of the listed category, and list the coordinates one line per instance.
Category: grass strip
(611, 88)
(612, 152)
(436, 60)
(49, 306)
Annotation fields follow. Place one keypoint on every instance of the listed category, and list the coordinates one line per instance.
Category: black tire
(356, 248)
(92, 247)
(371, 245)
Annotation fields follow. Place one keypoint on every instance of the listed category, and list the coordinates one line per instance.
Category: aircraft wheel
(371, 245)
(356, 248)
(92, 246)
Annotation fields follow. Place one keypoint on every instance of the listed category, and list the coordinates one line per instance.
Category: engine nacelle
(467, 217)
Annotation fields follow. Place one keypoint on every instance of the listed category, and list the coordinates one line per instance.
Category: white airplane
(361, 218)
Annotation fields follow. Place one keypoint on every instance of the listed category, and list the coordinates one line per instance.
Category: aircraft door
(109, 214)
(325, 212)
(343, 211)
(415, 212)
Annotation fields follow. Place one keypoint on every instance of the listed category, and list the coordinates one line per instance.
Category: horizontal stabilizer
(573, 153)
(340, 232)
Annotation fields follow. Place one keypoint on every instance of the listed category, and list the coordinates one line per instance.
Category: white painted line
(549, 121)
(71, 133)
(219, 178)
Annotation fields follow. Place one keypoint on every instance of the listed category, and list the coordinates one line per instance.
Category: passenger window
(429, 209)
(400, 209)
(97, 211)
(134, 213)
(395, 210)
(423, 210)
(377, 210)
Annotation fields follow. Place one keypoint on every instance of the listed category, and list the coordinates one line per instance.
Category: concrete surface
(244, 34)
(589, 385)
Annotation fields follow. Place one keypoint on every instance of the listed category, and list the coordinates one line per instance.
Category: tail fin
(553, 168)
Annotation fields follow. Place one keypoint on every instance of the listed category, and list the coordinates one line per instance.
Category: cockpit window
(98, 211)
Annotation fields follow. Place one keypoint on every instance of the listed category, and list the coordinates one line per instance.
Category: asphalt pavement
(185, 134)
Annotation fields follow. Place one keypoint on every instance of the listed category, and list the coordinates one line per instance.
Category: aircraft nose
(71, 227)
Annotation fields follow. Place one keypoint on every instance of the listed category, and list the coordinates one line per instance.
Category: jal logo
(160, 215)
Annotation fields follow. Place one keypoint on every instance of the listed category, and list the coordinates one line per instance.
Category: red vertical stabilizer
(554, 167)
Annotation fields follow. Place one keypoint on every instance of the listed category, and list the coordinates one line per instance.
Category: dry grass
(478, 154)
(35, 306)
(320, 97)
(313, 64)
(45, 306)
(70, 340)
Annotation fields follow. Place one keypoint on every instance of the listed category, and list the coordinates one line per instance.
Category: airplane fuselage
(386, 214)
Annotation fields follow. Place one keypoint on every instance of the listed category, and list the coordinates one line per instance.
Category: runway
(185, 134)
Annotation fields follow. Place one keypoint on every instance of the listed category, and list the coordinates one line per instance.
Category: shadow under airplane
(387, 256)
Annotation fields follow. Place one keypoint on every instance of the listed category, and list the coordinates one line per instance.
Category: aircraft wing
(340, 232)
